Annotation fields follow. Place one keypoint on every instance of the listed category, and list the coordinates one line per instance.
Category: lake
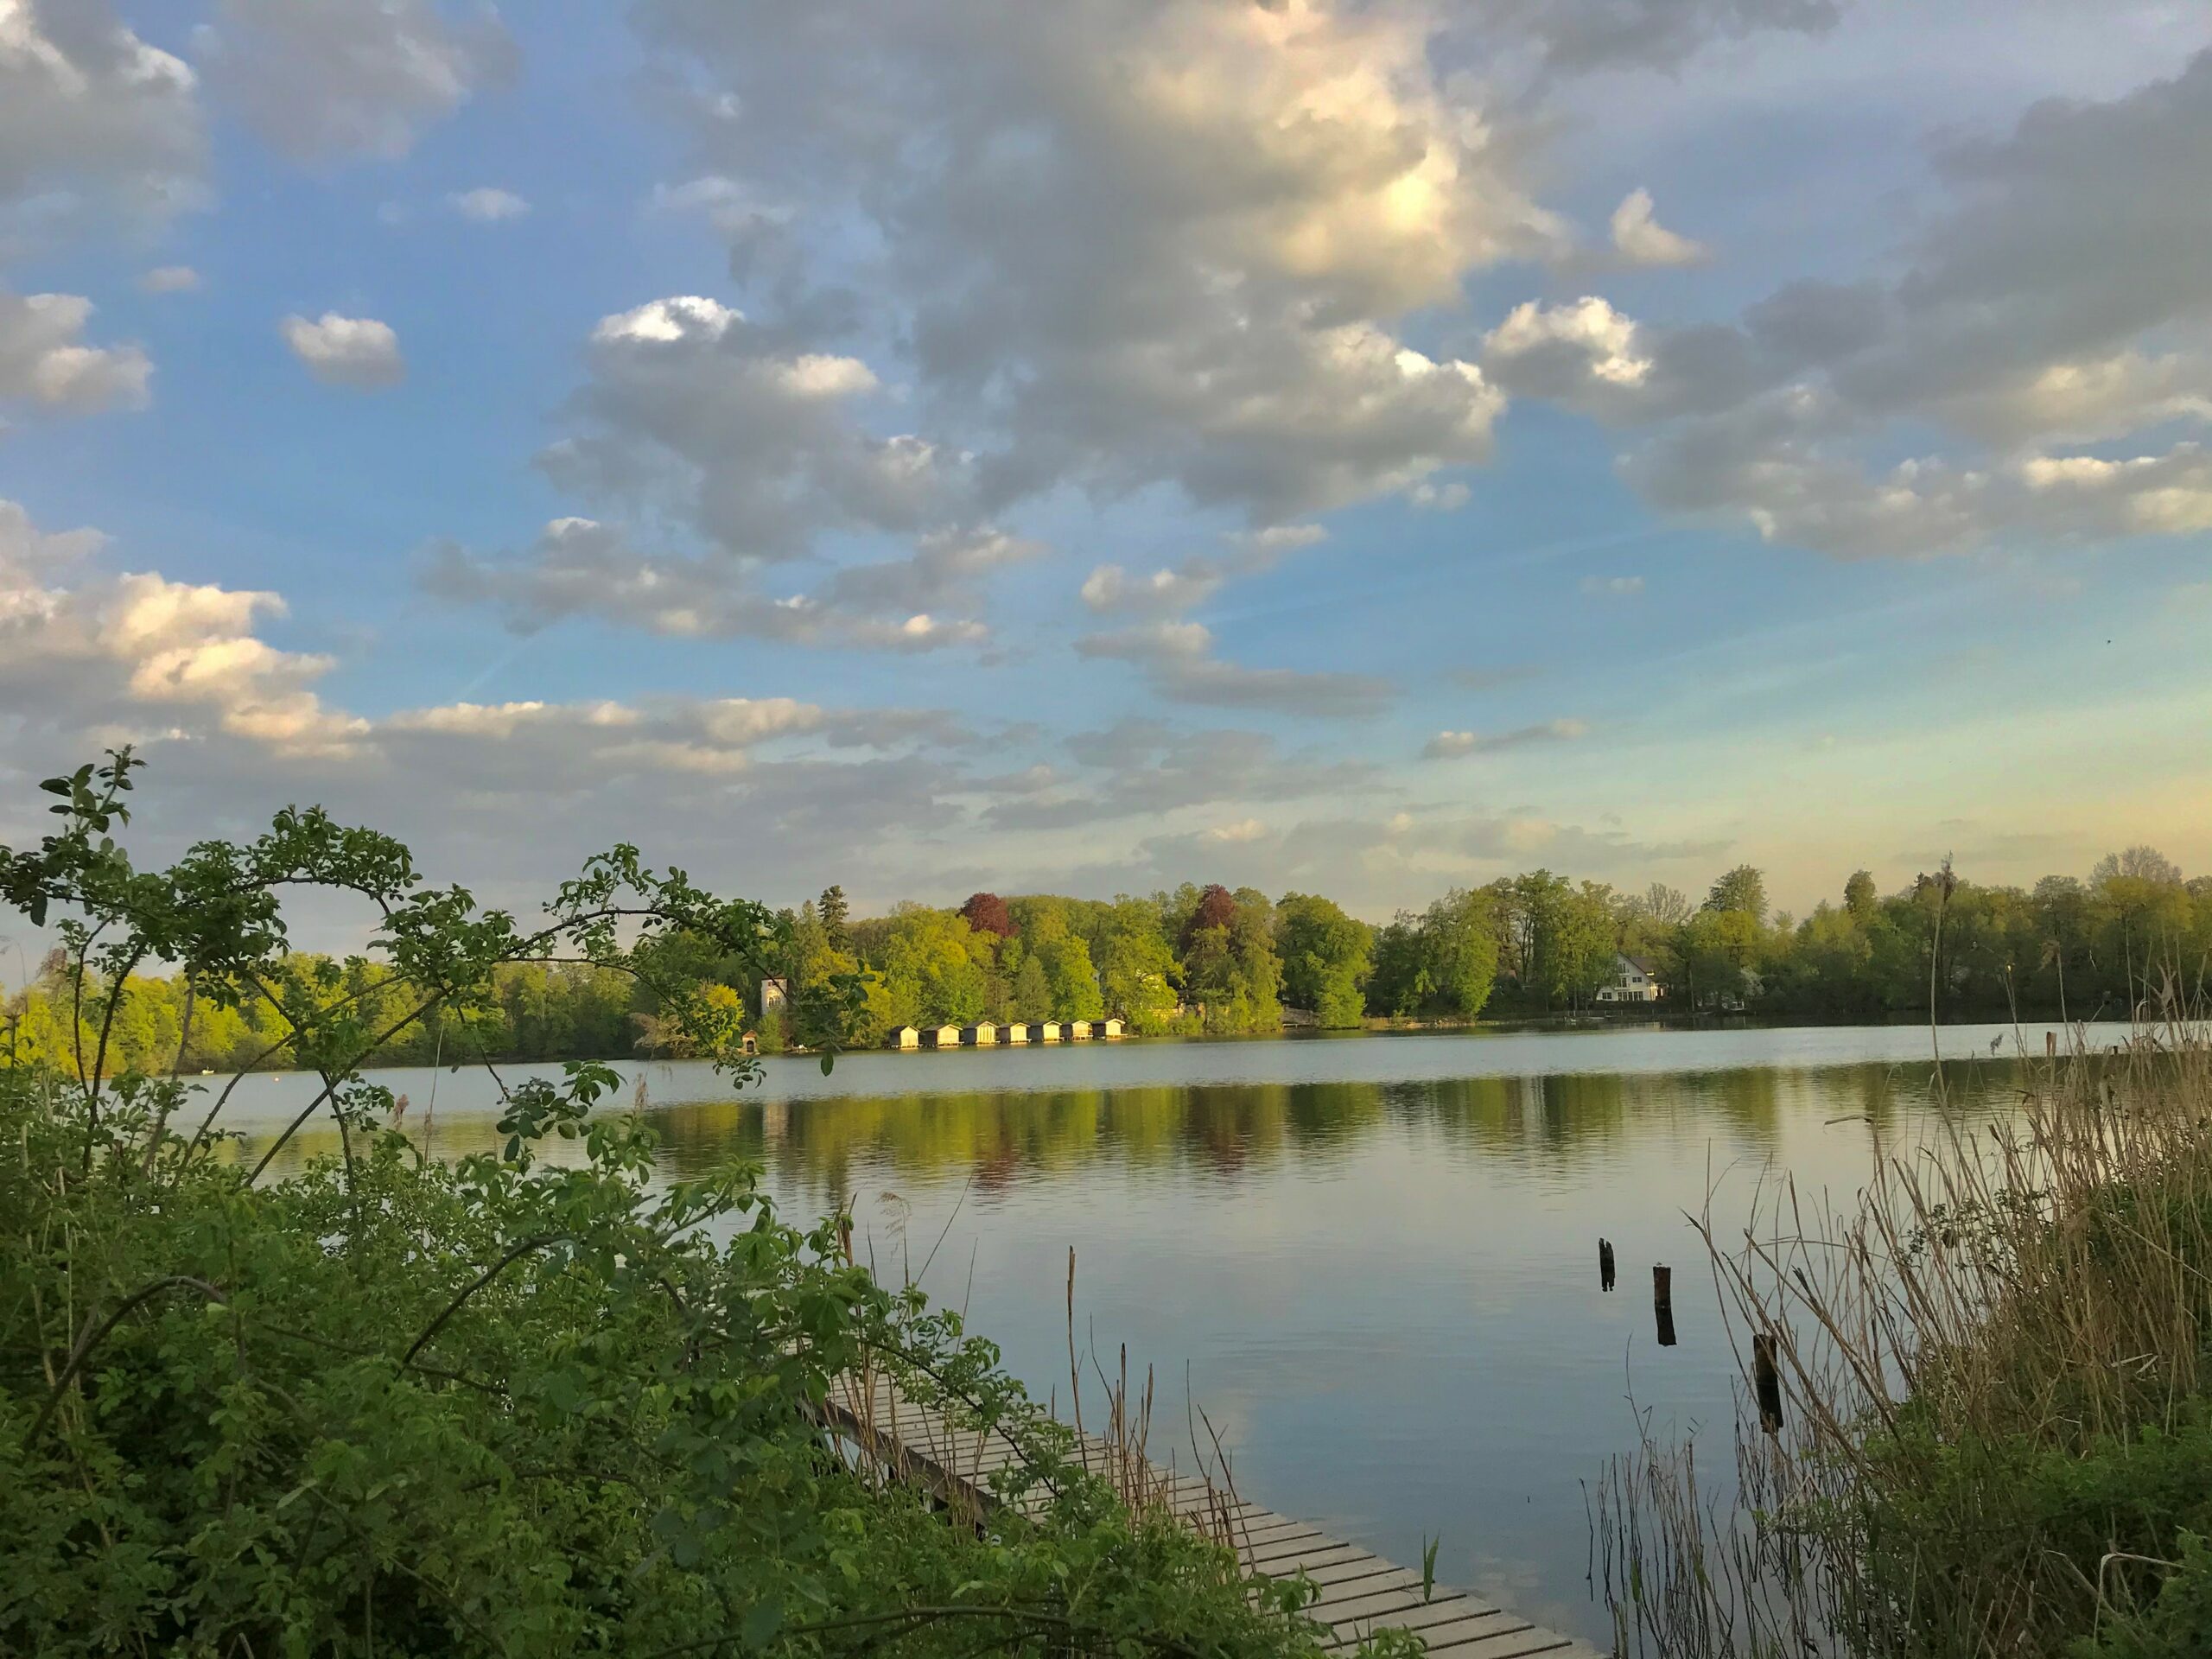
(1373, 1258)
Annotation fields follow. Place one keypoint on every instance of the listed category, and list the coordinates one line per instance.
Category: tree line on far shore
(1210, 960)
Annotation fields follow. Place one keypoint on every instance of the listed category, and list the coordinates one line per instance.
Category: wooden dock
(1360, 1591)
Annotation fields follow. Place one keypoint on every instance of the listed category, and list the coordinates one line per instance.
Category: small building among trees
(1109, 1028)
(1634, 981)
(941, 1037)
(981, 1035)
(905, 1037)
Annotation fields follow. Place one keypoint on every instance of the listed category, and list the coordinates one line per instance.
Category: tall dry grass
(1994, 1372)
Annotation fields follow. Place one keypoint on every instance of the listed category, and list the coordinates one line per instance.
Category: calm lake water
(1373, 1258)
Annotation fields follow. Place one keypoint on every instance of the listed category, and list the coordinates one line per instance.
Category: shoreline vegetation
(498, 1405)
(525, 1407)
(1210, 962)
(1987, 1422)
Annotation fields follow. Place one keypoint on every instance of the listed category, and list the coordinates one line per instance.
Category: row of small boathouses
(987, 1035)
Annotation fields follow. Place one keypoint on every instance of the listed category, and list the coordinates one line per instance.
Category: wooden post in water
(1663, 1302)
(1604, 1264)
(1766, 1382)
(2050, 1044)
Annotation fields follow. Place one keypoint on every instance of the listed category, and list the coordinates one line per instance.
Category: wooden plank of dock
(1360, 1591)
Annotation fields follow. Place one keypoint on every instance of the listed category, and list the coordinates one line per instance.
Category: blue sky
(1362, 448)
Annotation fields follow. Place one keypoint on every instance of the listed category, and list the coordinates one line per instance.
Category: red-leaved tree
(987, 914)
(1217, 908)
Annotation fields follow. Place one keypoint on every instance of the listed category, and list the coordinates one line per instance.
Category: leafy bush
(520, 1406)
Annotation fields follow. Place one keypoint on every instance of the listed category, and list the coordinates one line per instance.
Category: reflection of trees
(816, 1147)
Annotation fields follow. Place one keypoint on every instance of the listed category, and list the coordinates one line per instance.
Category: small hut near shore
(1047, 1033)
(941, 1037)
(905, 1037)
(1109, 1029)
(981, 1035)
(1015, 1034)
(1078, 1030)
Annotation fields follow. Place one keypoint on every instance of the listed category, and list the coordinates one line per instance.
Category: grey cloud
(1178, 663)
(1451, 746)
(694, 409)
(325, 80)
(1111, 589)
(946, 565)
(91, 115)
(2018, 333)
(579, 567)
(1150, 766)
(1580, 36)
(1640, 239)
(697, 417)
(45, 362)
(1133, 242)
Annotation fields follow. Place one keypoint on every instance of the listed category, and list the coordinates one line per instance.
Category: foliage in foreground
(518, 1407)
(1998, 1376)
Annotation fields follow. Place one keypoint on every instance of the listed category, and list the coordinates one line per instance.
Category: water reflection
(1231, 1132)
(1374, 1268)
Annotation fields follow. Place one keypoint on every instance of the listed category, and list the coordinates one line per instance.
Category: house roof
(1641, 964)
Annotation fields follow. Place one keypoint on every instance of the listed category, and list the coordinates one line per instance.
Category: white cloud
(1439, 498)
(1238, 833)
(1451, 745)
(1160, 593)
(520, 789)
(91, 115)
(169, 279)
(346, 350)
(2167, 495)
(1585, 354)
(1640, 239)
(487, 204)
(137, 654)
(1137, 242)
(1178, 663)
(362, 77)
(44, 360)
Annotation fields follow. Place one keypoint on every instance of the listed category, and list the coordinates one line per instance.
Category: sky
(1355, 448)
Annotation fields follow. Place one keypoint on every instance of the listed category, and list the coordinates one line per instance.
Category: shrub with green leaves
(516, 1406)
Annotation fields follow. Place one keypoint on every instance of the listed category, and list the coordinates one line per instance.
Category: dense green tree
(1326, 958)
(836, 918)
(1232, 971)
(1071, 983)
(1742, 889)
(1441, 963)
(1859, 894)
(934, 968)
(1135, 965)
(1031, 996)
